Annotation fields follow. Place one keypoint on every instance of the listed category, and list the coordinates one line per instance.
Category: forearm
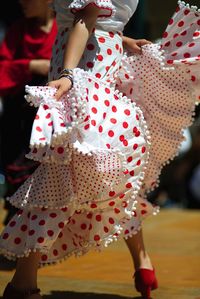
(78, 37)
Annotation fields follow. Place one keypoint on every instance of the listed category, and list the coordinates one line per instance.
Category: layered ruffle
(106, 6)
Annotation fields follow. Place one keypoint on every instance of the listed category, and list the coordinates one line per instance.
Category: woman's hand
(62, 85)
(134, 45)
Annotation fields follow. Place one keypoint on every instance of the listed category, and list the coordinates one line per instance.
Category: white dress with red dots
(102, 147)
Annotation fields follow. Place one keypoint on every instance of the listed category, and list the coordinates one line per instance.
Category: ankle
(22, 285)
(143, 261)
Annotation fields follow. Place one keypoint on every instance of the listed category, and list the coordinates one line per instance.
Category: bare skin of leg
(29, 266)
(138, 252)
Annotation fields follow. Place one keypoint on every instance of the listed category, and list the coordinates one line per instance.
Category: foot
(15, 293)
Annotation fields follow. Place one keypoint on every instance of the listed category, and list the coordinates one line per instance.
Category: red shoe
(145, 281)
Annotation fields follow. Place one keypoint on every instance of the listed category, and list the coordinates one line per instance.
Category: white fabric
(121, 13)
(96, 153)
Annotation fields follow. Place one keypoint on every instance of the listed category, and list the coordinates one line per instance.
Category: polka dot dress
(103, 145)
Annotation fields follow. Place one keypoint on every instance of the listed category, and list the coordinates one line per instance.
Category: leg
(29, 266)
(138, 252)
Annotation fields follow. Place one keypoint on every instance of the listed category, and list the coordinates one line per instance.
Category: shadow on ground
(75, 295)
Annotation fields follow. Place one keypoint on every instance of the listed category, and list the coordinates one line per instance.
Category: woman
(94, 147)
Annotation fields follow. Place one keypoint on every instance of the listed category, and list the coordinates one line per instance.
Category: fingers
(59, 93)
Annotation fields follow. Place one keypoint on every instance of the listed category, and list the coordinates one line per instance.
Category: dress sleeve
(106, 6)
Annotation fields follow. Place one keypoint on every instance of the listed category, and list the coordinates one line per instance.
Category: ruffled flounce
(165, 82)
(106, 6)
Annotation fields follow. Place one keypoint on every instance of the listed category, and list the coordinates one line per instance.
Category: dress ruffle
(107, 8)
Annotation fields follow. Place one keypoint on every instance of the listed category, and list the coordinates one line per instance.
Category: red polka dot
(24, 227)
(143, 212)
(135, 146)
(38, 129)
(107, 90)
(83, 226)
(101, 39)
(96, 237)
(117, 211)
(108, 145)
(179, 44)
(40, 240)
(107, 103)
(87, 127)
(89, 216)
(117, 47)
(61, 224)
(180, 24)
(99, 57)
(93, 206)
(44, 257)
(127, 112)
(94, 110)
(198, 22)
(100, 129)
(90, 64)
(191, 45)
(64, 209)
(111, 220)
(90, 47)
(184, 33)
(125, 125)
(93, 122)
(55, 252)
(138, 162)
(109, 52)
(113, 120)
(31, 232)
(171, 21)
(111, 203)
(193, 78)
(121, 138)
(111, 34)
(17, 241)
(125, 142)
(132, 173)
(187, 55)
(143, 149)
(34, 217)
(126, 232)
(95, 97)
(42, 222)
(128, 185)
(53, 215)
(98, 218)
(12, 223)
(165, 34)
(98, 75)
(111, 133)
(112, 193)
(64, 247)
(196, 34)
(114, 109)
(186, 12)
(5, 236)
(60, 150)
(130, 159)
(50, 233)
(105, 229)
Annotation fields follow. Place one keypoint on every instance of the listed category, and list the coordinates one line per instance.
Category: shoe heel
(146, 294)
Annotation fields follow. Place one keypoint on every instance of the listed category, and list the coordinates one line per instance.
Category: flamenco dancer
(107, 122)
